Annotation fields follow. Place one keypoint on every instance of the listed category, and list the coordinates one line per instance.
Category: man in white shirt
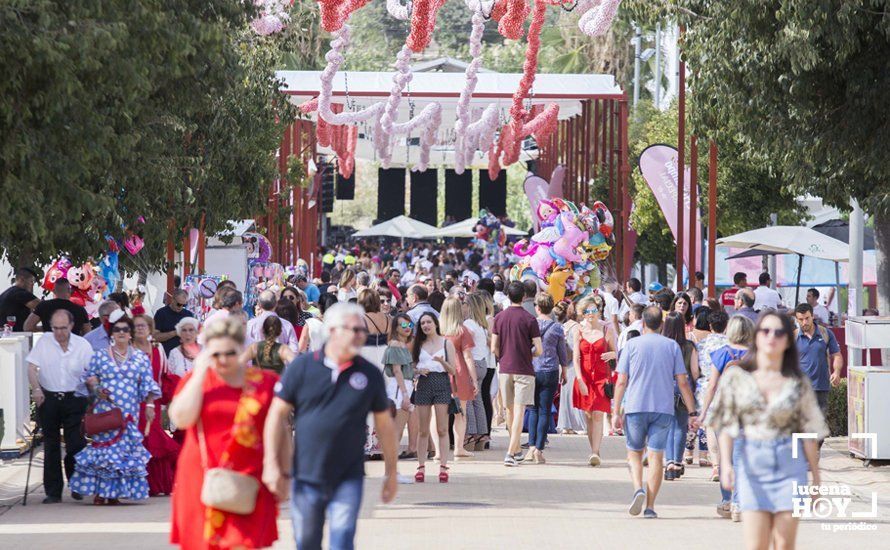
(635, 318)
(613, 306)
(820, 312)
(267, 302)
(56, 366)
(766, 297)
(634, 291)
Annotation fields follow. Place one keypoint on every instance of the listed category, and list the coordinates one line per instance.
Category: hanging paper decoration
(480, 134)
(597, 16)
(544, 123)
(335, 13)
(272, 16)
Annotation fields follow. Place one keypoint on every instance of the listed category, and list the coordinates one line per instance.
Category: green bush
(837, 409)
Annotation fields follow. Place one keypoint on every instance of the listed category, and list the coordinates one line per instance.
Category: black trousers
(56, 416)
(486, 397)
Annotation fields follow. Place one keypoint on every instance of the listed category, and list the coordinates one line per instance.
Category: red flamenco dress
(163, 449)
(232, 421)
(596, 374)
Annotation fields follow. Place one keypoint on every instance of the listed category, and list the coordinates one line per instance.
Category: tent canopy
(789, 239)
(399, 227)
(467, 227)
(365, 88)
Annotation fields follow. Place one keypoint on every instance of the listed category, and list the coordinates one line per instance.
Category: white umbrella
(792, 239)
(401, 227)
(467, 228)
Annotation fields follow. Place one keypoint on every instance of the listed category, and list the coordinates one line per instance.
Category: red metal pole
(712, 219)
(586, 152)
(596, 136)
(612, 186)
(171, 258)
(693, 206)
(681, 166)
(186, 253)
(202, 244)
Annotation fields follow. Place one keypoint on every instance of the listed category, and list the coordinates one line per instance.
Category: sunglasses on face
(777, 332)
(125, 330)
(406, 324)
(226, 354)
(591, 311)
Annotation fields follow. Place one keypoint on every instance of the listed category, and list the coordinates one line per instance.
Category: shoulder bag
(453, 405)
(224, 489)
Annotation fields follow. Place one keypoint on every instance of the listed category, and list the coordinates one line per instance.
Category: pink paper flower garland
(480, 134)
(510, 142)
(335, 13)
(272, 16)
(597, 16)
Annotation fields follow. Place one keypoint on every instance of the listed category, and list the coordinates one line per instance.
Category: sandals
(420, 474)
(443, 474)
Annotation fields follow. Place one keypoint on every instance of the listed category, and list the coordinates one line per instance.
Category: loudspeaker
(458, 194)
(424, 196)
(390, 193)
(346, 187)
(493, 194)
(328, 176)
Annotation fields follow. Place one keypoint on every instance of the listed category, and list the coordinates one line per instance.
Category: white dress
(569, 417)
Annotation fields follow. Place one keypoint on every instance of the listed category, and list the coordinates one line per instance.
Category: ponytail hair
(271, 332)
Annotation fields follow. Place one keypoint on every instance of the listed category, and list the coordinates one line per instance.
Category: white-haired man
(267, 302)
(330, 393)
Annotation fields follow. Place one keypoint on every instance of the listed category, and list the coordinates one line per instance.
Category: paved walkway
(563, 504)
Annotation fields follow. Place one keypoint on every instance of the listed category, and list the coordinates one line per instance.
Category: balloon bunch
(85, 283)
(488, 232)
(562, 256)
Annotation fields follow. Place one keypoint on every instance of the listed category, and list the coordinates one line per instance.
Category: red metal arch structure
(591, 142)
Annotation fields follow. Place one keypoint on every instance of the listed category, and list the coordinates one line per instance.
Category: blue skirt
(765, 474)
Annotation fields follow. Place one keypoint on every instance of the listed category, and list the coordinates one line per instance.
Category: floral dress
(114, 464)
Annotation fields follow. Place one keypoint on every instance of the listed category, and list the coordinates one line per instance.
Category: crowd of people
(289, 400)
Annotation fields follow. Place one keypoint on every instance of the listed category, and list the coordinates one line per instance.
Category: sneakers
(735, 513)
(510, 461)
(649, 513)
(636, 503)
(724, 510)
(594, 460)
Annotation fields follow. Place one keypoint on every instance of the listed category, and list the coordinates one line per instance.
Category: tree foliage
(114, 110)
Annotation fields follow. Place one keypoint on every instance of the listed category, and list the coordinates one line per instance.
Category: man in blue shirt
(99, 337)
(312, 292)
(817, 347)
(330, 393)
(647, 369)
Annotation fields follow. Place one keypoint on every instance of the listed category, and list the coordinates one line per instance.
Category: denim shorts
(766, 473)
(647, 429)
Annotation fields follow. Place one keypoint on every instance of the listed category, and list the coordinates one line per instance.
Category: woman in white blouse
(181, 357)
(475, 313)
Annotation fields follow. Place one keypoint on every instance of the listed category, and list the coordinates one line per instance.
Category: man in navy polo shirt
(817, 347)
(330, 392)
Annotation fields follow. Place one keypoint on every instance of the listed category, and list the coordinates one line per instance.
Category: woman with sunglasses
(592, 349)
(297, 315)
(433, 354)
(112, 466)
(399, 371)
(760, 404)
(222, 404)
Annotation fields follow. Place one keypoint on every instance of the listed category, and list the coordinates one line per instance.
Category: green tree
(802, 84)
(111, 111)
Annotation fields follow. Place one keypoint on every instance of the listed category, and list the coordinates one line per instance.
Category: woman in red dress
(593, 347)
(163, 449)
(222, 404)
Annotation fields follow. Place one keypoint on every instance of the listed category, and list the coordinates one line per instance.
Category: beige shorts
(517, 389)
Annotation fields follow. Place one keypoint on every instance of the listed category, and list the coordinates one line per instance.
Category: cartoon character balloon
(562, 255)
